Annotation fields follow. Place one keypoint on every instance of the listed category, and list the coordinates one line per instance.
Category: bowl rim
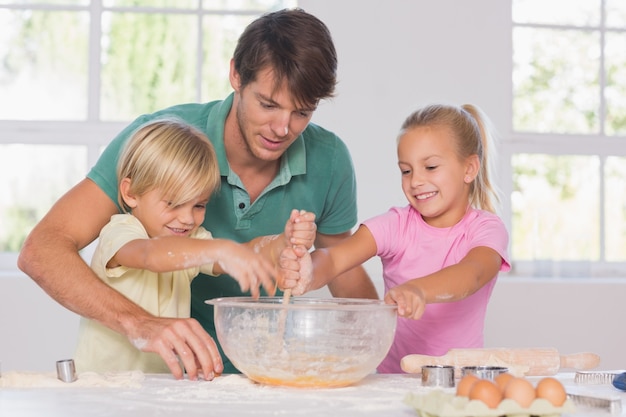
(302, 303)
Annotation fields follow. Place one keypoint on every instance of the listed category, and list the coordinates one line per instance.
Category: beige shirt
(167, 294)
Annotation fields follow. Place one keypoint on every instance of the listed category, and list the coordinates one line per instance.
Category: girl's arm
(299, 231)
(328, 263)
(452, 283)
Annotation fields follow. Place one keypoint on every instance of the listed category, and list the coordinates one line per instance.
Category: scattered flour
(14, 379)
(139, 343)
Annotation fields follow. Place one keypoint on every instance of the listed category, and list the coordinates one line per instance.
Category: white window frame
(599, 145)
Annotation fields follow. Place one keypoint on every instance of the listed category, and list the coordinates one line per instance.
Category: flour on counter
(14, 379)
(238, 394)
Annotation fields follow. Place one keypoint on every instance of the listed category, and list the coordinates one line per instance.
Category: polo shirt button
(242, 205)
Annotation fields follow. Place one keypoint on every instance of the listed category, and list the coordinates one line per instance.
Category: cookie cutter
(66, 370)
(438, 376)
(484, 372)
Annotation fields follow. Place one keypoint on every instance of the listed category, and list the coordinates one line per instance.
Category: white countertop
(234, 395)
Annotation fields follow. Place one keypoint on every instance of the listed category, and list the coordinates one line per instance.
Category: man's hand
(183, 339)
(300, 229)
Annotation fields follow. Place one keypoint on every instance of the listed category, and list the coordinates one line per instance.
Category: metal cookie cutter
(438, 376)
(66, 371)
(611, 405)
(596, 377)
(484, 372)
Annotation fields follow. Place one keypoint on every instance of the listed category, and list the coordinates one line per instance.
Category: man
(271, 160)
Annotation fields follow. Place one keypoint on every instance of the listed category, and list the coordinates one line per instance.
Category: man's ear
(234, 77)
(127, 197)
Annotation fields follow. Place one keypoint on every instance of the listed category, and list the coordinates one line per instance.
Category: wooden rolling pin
(530, 361)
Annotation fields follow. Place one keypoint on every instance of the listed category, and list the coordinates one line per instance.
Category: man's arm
(50, 256)
(352, 284)
(50, 253)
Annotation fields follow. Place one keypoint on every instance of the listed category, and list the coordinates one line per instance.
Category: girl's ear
(128, 198)
(471, 169)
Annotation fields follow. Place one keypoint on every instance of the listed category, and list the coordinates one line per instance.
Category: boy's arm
(169, 253)
(173, 253)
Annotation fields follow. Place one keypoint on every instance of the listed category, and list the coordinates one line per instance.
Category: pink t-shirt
(410, 248)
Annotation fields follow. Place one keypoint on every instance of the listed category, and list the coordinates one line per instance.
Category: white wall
(399, 55)
(394, 57)
(572, 315)
(35, 331)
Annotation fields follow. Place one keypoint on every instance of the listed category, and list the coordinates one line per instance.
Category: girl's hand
(300, 229)
(296, 270)
(249, 268)
(409, 298)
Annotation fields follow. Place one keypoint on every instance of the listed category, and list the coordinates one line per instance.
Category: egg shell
(552, 390)
(465, 385)
(487, 392)
(502, 379)
(521, 391)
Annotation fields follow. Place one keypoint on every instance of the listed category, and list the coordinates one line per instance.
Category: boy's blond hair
(171, 156)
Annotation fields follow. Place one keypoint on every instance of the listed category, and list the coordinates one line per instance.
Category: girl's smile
(425, 196)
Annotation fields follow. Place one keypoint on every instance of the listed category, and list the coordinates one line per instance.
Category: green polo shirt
(316, 174)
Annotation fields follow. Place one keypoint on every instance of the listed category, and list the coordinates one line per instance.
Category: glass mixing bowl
(309, 342)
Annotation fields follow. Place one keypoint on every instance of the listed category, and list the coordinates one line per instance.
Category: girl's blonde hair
(171, 156)
(473, 135)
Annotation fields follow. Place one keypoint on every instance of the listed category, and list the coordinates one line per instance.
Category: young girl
(441, 254)
(166, 173)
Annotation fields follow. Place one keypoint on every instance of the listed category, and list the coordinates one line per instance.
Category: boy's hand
(300, 229)
(296, 270)
(250, 269)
